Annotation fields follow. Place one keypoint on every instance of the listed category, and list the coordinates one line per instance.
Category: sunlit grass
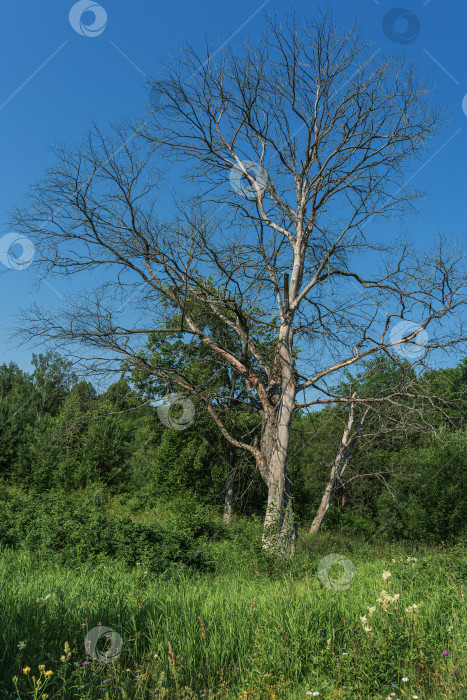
(245, 632)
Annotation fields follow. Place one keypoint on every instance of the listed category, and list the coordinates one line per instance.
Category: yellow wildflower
(41, 666)
(49, 673)
(67, 654)
(26, 669)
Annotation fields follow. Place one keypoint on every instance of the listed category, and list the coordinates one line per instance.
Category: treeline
(406, 477)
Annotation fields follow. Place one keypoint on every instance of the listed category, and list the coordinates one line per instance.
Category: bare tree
(341, 463)
(396, 404)
(290, 151)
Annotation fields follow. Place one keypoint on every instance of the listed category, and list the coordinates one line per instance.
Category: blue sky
(54, 79)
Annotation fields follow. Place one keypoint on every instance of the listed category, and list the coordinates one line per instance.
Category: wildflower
(404, 680)
(415, 697)
(456, 671)
(365, 624)
(15, 679)
(412, 608)
(43, 601)
(21, 645)
(27, 669)
(371, 610)
(386, 600)
(67, 654)
(85, 663)
(386, 575)
(49, 673)
(344, 653)
(446, 653)
(354, 629)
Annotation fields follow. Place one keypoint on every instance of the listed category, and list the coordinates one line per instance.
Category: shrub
(74, 527)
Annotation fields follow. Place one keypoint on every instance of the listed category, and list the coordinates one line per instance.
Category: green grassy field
(251, 629)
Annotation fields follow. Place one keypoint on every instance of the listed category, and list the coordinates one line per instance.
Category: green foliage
(430, 502)
(58, 433)
(75, 527)
(242, 633)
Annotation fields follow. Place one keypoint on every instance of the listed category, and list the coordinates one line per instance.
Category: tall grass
(254, 629)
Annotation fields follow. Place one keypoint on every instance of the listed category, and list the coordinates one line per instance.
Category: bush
(432, 501)
(75, 527)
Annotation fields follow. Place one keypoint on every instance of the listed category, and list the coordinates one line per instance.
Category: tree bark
(338, 468)
(280, 529)
(229, 486)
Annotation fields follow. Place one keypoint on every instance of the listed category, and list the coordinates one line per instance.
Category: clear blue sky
(54, 79)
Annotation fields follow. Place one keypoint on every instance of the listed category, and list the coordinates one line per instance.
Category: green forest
(60, 436)
(109, 516)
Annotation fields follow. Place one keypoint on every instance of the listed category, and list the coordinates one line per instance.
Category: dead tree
(283, 156)
(341, 463)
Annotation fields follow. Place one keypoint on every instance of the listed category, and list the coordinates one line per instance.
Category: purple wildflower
(446, 653)
(355, 629)
(85, 663)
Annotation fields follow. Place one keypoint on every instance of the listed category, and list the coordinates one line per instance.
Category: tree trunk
(280, 529)
(338, 468)
(229, 486)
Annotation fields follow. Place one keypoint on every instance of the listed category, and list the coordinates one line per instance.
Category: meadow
(248, 628)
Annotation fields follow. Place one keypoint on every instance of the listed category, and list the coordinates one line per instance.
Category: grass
(250, 630)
